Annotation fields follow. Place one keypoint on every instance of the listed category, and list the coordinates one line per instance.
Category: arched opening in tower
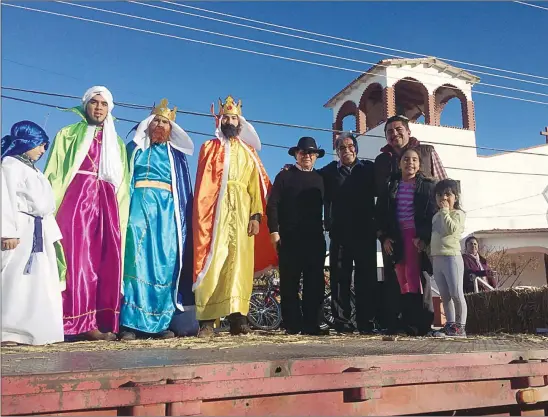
(450, 104)
(371, 107)
(346, 117)
(349, 123)
(411, 98)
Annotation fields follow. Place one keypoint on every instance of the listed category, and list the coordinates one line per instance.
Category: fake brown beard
(160, 135)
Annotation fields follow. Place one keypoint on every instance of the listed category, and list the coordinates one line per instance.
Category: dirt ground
(262, 338)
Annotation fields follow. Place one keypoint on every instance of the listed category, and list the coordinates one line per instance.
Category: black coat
(349, 201)
(387, 218)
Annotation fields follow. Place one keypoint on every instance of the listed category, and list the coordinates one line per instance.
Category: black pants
(391, 296)
(417, 310)
(417, 314)
(358, 256)
(302, 256)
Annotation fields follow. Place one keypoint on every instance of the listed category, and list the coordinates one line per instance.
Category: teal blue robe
(155, 282)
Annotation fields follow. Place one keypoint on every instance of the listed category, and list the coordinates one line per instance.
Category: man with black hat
(294, 213)
(349, 205)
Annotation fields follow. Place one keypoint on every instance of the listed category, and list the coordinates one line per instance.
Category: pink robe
(89, 221)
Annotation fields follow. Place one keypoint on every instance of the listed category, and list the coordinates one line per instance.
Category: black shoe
(394, 332)
(368, 332)
(127, 335)
(344, 328)
(206, 329)
(367, 329)
(316, 332)
(292, 331)
(166, 334)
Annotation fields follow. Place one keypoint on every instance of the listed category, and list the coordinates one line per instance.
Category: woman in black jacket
(404, 215)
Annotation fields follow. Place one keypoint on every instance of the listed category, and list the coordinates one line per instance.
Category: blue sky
(57, 54)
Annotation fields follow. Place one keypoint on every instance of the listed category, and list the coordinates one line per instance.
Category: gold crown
(163, 110)
(229, 107)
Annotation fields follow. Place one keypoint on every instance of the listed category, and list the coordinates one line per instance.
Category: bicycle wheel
(265, 312)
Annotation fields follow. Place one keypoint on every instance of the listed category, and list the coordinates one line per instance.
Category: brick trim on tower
(468, 115)
(389, 102)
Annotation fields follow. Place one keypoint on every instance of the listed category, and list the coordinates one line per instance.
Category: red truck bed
(303, 376)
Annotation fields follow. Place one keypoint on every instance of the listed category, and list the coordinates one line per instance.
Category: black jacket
(349, 200)
(387, 218)
(386, 163)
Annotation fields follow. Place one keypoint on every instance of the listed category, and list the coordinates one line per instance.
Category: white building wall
(431, 77)
(356, 93)
(488, 197)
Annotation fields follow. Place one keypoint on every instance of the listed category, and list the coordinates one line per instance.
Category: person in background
(475, 265)
(404, 216)
(447, 228)
(32, 308)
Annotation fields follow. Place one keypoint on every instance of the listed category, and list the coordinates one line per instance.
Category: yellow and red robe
(231, 185)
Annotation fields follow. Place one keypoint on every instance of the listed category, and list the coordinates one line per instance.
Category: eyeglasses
(307, 152)
(349, 147)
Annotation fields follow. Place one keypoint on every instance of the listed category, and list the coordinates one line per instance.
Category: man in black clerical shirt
(350, 220)
(294, 212)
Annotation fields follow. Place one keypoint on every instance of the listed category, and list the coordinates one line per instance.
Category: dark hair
(451, 185)
(346, 135)
(469, 238)
(398, 118)
(408, 150)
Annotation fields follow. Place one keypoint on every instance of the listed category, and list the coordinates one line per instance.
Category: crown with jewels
(163, 110)
(230, 107)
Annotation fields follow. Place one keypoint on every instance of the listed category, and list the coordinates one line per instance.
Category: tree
(508, 267)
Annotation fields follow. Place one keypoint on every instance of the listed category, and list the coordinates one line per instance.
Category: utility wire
(283, 46)
(287, 147)
(237, 49)
(364, 43)
(279, 124)
(531, 5)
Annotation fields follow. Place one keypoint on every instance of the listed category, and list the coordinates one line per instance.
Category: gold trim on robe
(231, 185)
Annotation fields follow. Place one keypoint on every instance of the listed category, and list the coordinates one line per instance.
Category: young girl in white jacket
(447, 228)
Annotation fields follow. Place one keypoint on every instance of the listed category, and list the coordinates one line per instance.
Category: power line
(234, 48)
(194, 132)
(531, 5)
(41, 69)
(360, 43)
(287, 147)
(508, 216)
(277, 45)
(278, 124)
(506, 202)
(325, 43)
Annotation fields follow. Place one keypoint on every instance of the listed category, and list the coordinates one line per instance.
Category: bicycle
(265, 311)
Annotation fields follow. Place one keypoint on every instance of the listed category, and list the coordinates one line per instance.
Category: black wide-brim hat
(306, 143)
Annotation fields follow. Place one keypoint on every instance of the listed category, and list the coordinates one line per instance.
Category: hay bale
(512, 310)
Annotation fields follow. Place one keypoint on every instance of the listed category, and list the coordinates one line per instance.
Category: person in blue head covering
(32, 308)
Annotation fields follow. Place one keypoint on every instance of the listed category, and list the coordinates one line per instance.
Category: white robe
(32, 307)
